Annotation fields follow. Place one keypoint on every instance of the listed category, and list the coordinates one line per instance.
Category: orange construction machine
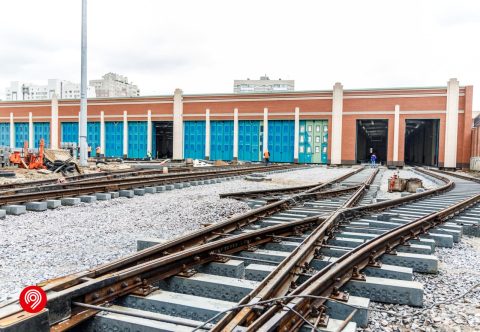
(29, 160)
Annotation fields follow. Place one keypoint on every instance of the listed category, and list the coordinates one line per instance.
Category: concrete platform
(178, 185)
(15, 210)
(126, 193)
(88, 199)
(114, 194)
(3, 214)
(169, 187)
(36, 206)
(53, 203)
(103, 196)
(160, 188)
(70, 201)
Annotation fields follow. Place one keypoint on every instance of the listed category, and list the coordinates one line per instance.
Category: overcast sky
(202, 46)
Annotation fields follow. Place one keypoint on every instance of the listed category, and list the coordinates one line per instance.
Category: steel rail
(195, 238)
(112, 285)
(280, 280)
(76, 189)
(19, 187)
(182, 243)
(336, 274)
(455, 174)
(260, 193)
(135, 175)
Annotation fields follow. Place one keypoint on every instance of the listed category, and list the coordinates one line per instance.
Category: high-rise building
(114, 85)
(28, 91)
(263, 85)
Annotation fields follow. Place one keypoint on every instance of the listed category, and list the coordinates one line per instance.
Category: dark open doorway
(163, 139)
(372, 138)
(421, 142)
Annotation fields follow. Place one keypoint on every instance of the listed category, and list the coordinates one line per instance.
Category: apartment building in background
(114, 85)
(263, 85)
(28, 91)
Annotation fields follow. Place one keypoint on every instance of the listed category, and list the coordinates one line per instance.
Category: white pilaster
(30, 131)
(265, 130)
(337, 118)
(149, 132)
(178, 124)
(451, 123)
(125, 134)
(297, 134)
(12, 132)
(207, 134)
(54, 123)
(396, 133)
(235, 134)
(102, 133)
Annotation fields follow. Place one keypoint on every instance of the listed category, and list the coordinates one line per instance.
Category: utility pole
(83, 90)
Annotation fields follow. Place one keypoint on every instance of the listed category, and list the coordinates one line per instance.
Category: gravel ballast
(459, 272)
(44, 245)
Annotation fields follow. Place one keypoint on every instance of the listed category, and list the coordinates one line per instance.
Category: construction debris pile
(411, 185)
(45, 160)
(60, 161)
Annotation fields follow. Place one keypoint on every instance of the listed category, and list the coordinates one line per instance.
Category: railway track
(303, 248)
(207, 234)
(124, 181)
(46, 184)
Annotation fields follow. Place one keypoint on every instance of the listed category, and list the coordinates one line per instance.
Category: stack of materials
(4, 156)
(60, 161)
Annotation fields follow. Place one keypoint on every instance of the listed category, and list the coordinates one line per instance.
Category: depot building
(424, 126)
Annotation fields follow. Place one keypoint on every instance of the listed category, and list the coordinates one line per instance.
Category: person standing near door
(266, 155)
(373, 159)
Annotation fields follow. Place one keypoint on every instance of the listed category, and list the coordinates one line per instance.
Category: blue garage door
(137, 139)
(93, 136)
(249, 140)
(113, 139)
(281, 140)
(221, 140)
(194, 142)
(69, 132)
(21, 134)
(4, 134)
(41, 130)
